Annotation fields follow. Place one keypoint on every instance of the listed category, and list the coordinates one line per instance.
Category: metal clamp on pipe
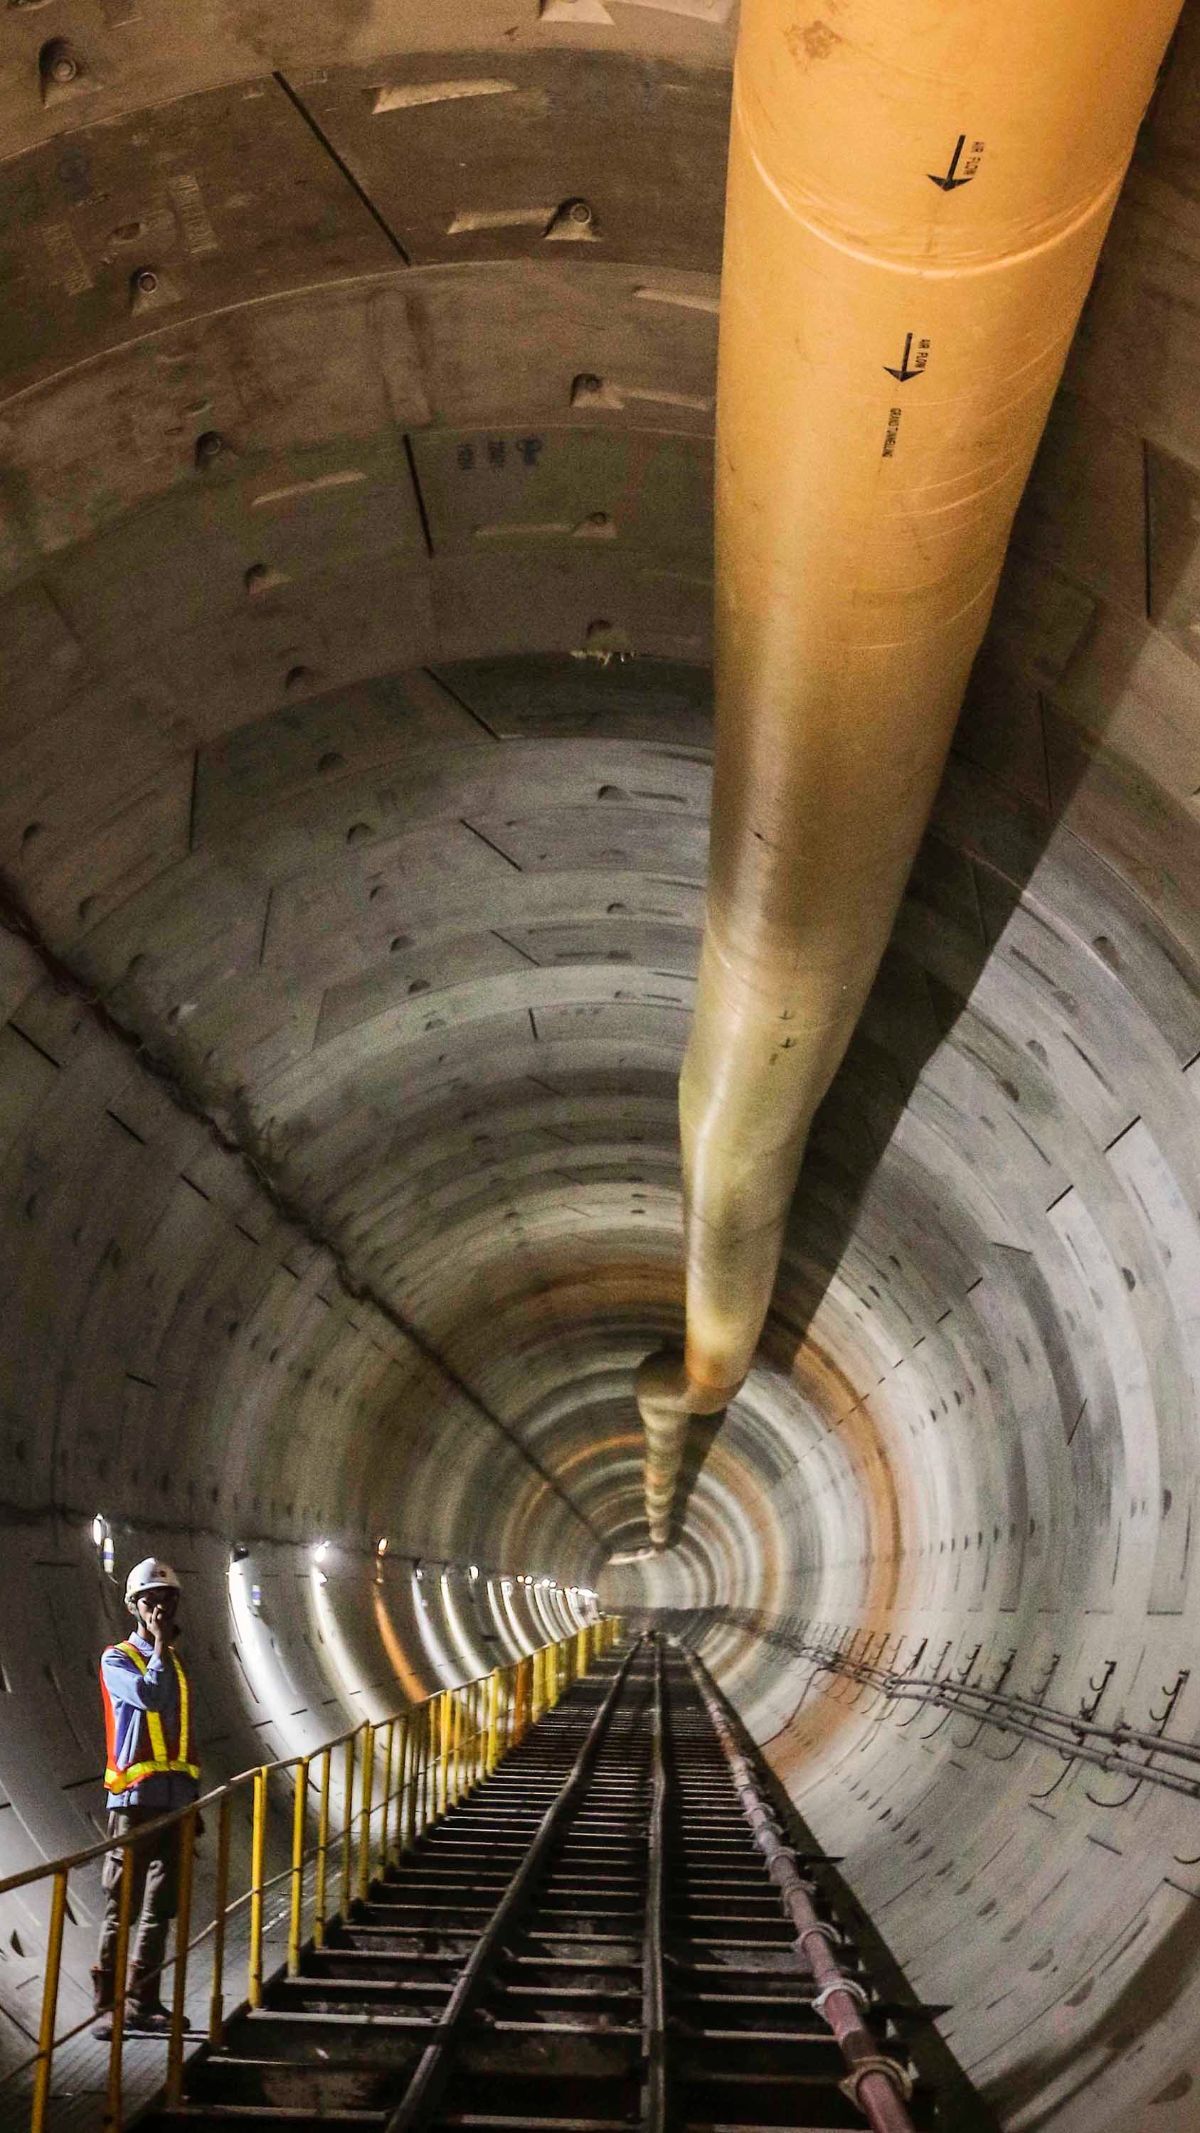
(848, 1985)
(878, 2063)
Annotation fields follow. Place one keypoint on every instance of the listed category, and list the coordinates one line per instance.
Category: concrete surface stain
(812, 41)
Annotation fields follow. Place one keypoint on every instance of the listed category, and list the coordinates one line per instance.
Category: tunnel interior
(355, 731)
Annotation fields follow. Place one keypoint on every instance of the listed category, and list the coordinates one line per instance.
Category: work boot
(145, 2015)
(103, 1988)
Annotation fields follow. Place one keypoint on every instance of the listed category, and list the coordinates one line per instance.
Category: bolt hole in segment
(608, 1931)
(914, 210)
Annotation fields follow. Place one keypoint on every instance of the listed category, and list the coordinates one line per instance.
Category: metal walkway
(590, 1942)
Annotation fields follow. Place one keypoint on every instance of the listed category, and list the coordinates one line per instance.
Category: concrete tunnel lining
(372, 810)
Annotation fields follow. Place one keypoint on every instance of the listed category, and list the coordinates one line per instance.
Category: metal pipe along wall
(916, 200)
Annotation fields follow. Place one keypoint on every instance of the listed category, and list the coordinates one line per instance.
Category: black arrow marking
(950, 183)
(906, 370)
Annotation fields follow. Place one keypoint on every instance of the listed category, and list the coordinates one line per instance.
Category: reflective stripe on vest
(160, 1763)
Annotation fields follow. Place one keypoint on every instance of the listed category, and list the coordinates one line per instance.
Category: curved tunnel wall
(353, 756)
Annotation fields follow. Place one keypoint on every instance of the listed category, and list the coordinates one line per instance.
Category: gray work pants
(155, 1897)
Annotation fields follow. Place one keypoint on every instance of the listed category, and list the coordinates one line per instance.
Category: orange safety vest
(152, 1756)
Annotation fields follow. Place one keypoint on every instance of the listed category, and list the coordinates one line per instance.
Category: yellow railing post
(405, 1816)
(456, 1701)
(447, 1723)
(420, 1769)
(347, 1825)
(322, 1867)
(364, 1834)
(216, 2004)
(112, 2101)
(45, 2057)
(183, 1934)
(258, 1861)
(385, 1804)
(492, 1754)
(295, 1914)
(423, 1776)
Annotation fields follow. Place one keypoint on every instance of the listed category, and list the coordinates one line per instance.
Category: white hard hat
(152, 1575)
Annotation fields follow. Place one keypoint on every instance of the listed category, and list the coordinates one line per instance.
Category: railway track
(603, 1935)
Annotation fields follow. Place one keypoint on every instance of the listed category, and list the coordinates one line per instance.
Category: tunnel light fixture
(102, 1541)
(473, 1572)
(320, 1551)
(381, 1545)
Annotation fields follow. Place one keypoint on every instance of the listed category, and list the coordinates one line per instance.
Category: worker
(150, 1771)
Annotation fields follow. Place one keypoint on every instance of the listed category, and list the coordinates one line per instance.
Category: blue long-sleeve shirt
(132, 1692)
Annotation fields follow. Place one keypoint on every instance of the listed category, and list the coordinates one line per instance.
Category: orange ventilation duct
(917, 195)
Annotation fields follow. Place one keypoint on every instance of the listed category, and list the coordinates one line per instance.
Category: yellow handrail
(433, 1754)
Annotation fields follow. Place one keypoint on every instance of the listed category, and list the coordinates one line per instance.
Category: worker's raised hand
(159, 1625)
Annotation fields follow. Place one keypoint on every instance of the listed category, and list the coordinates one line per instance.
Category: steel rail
(424, 2093)
(654, 2021)
(877, 2083)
